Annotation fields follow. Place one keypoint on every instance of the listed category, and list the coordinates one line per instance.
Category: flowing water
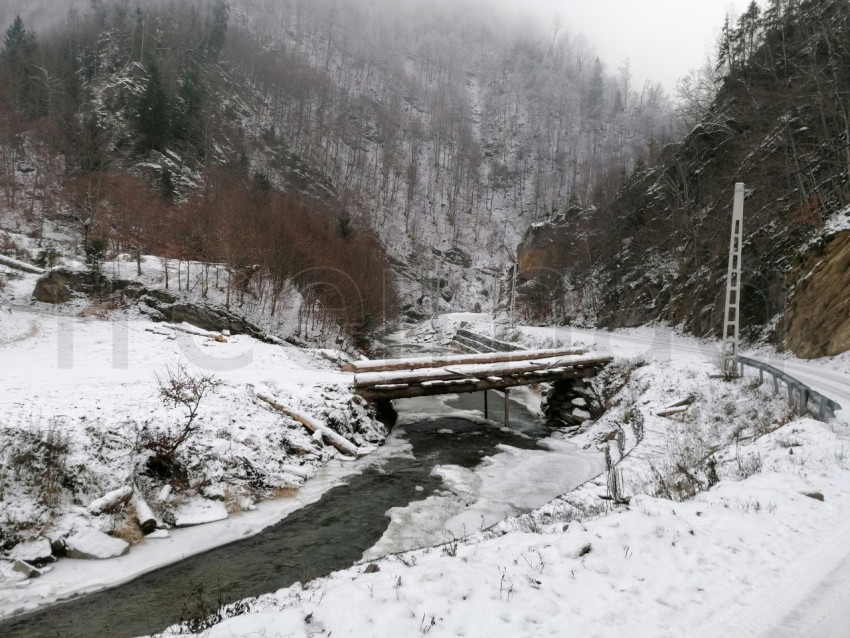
(330, 534)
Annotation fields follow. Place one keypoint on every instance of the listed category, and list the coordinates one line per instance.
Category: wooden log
(672, 411)
(497, 369)
(418, 363)
(111, 500)
(339, 442)
(145, 517)
(17, 264)
(432, 388)
(678, 404)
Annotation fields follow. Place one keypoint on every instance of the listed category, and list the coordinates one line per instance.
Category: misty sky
(663, 39)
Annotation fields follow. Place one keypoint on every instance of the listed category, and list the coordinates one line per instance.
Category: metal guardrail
(799, 394)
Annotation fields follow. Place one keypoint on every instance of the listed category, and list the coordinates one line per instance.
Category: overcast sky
(663, 39)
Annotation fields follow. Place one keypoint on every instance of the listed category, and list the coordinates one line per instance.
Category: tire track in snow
(764, 611)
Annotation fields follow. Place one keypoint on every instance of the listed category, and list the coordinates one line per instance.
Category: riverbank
(470, 498)
(726, 517)
(82, 397)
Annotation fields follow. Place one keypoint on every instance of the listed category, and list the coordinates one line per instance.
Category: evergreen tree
(217, 30)
(188, 111)
(17, 44)
(18, 55)
(153, 113)
(596, 92)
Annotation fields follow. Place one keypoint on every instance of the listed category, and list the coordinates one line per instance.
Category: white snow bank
(198, 511)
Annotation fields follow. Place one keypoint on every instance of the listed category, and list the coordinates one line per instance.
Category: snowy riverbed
(756, 554)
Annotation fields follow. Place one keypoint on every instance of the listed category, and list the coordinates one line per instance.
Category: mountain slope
(656, 249)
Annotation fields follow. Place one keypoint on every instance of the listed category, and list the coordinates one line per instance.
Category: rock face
(655, 248)
(59, 284)
(819, 318)
(164, 307)
(90, 544)
(570, 403)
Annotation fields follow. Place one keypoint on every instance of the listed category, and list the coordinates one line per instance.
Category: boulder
(23, 567)
(37, 552)
(58, 285)
(88, 543)
(201, 315)
(453, 255)
(818, 321)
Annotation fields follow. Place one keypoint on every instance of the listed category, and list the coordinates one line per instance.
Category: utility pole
(513, 291)
(731, 317)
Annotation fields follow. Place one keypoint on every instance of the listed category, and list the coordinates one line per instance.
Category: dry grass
(98, 309)
(284, 492)
(128, 529)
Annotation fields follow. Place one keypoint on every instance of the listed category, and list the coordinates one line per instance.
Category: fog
(662, 39)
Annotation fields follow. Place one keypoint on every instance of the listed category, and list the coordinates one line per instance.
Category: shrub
(178, 388)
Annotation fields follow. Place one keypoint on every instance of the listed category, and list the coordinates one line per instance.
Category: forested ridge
(423, 138)
(655, 247)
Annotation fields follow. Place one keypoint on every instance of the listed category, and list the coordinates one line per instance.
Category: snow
(32, 551)
(91, 384)
(837, 222)
(754, 555)
(110, 499)
(731, 561)
(726, 563)
(90, 543)
(19, 265)
(510, 482)
(199, 511)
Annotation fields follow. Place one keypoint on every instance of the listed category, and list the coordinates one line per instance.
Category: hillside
(656, 248)
(440, 137)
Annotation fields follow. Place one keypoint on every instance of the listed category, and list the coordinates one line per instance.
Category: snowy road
(663, 344)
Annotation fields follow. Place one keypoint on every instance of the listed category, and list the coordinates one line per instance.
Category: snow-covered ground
(734, 561)
(751, 544)
(81, 414)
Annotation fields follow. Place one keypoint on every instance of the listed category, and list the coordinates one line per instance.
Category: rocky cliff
(656, 247)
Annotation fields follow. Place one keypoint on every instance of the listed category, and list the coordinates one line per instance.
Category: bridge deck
(494, 373)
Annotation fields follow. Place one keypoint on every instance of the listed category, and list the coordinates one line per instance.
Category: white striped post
(731, 317)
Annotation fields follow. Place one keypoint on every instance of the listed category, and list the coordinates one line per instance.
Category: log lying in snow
(383, 365)
(340, 443)
(145, 517)
(672, 411)
(110, 500)
(21, 265)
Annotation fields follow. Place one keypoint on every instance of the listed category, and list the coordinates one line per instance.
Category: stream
(330, 534)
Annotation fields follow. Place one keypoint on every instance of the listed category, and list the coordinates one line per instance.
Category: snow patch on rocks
(89, 543)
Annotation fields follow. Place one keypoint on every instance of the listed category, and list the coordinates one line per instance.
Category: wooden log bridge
(427, 376)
